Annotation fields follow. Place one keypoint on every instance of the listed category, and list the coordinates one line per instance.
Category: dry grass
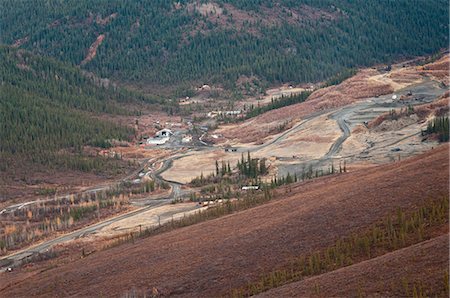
(210, 258)
(396, 274)
(438, 69)
(388, 235)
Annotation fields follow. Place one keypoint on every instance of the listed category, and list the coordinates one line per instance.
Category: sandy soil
(313, 140)
(209, 258)
(398, 78)
(349, 91)
(365, 84)
(376, 145)
(403, 134)
(145, 220)
(425, 262)
(92, 52)
(187, 168)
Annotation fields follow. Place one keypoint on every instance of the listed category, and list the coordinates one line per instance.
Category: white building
(250, 187)
(161, 137)
(214, 114)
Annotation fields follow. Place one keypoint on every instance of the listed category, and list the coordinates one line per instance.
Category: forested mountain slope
(166, 42)
(48, 112)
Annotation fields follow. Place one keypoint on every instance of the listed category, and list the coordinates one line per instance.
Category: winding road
(16, 257)
(346, 117)
(349, 116)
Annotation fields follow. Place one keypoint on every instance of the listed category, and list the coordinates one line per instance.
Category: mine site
(128, 181)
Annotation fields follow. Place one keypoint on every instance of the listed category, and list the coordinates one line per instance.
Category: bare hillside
(394, 274)
(210, 258)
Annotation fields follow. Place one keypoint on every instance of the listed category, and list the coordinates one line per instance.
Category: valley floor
(391, 167)
(212, 258)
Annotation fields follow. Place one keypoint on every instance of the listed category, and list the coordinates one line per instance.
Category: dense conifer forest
(47, 106)
(165, 42)
(59, 59)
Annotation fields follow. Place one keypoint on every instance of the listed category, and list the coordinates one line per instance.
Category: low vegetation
(223, 190)
(392, 233)
(37, 221)
(249, 200)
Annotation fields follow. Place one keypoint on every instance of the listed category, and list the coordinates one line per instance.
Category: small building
(214, 114)
(250, 187)
(157, 141)
(205, 88)
(160, 138)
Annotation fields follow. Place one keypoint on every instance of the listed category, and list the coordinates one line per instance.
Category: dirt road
(350, 116)
(154, 203)
(210, 258)
(16, 257)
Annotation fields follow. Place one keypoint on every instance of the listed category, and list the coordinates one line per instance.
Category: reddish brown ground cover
(210, 258)
(438, 69)
(391, 275)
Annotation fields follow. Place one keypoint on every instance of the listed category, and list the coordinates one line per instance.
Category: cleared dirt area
(145, 220)
(388, 142)
(423, 264)
(365, 84)
(92, 52)
(390, 137)
(210, 258)
(349, 91)
(187, 168)
(312, 141)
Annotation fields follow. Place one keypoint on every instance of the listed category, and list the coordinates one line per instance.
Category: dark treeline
(160, 42)
(252, 167)
(248, 170)
(340, 77)
(277, 103)
(440, 127)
